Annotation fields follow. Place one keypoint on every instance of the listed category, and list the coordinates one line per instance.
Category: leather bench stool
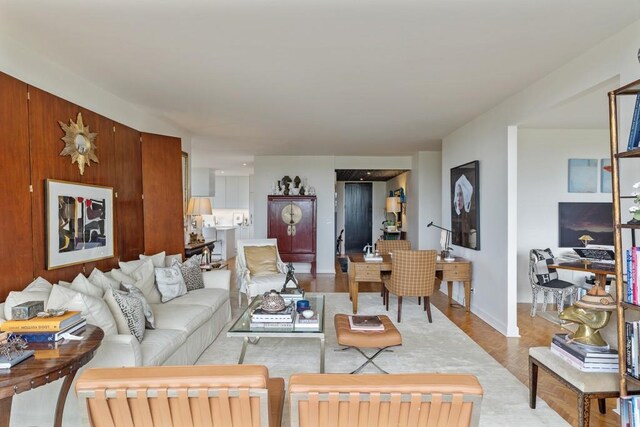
(381, 340)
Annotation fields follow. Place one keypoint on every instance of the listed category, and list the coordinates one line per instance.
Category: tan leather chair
(342, 400)
(413, 273)
(182, 396)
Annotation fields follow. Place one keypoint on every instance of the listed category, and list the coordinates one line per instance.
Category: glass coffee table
(242, 328)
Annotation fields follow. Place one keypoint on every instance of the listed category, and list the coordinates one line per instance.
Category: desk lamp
(585, 239)
(198, 206)
(445, 255)
(393, 205)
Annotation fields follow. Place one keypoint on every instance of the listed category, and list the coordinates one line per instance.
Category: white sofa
(185, 327)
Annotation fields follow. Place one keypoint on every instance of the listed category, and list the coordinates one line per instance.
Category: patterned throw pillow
(544, 258)
(191, 272)
(131, 308)
(150, 321)
(170, 282)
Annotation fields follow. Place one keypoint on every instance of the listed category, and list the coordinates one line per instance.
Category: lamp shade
(393, 204)
(199, 206)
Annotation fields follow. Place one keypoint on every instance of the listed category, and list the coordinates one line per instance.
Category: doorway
(357, 216)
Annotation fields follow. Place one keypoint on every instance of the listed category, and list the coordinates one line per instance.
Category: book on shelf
(6, 363)
(42, 324)
(634, 133)
(581, 352)
(632, 255)
(365, 323)
(37, 337)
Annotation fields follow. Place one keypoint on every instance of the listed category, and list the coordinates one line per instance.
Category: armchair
(545, 279)
(259, 268)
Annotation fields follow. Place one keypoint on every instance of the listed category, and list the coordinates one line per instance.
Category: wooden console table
(360, 270)
(41, 369)
(192, 249)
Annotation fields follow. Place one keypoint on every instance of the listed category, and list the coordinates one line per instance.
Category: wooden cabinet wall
(163, 224)
(301, 245)
(31, 147)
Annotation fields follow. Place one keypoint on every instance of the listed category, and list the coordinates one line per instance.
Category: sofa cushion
(132, 311)
(168, 261)
(261, 260)
(182, 317)
(143, 279)
(150, 322)
(207, 297)
(103, 281)
(83, 285)
(38, 290)
(159, 344)
(170, 282)
(95, 310)
(156, 259)
(191, 273)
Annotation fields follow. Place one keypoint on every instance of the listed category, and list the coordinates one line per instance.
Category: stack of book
(633, 275)
(307, 323)
(365, 323)
(630, 411)
(291, 295)
(282, 319)
(45, 329)
(584, 358)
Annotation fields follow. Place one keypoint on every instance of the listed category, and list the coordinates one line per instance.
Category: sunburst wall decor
(78, 143)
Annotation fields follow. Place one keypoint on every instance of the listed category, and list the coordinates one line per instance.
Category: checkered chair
(413, 274)
(545, 279)
(386, 247)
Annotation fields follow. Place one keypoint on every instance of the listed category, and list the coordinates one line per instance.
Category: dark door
(357, 216)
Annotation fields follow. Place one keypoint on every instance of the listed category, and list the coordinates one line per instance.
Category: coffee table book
(581, 352)
(6, 363)
(36, 337)
(365, 323)
(42, 324)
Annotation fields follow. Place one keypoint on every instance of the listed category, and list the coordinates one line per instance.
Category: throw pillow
(39, 284)
(191, 273)
(83, 285)
(143, 278)
(157, 259)
(170, 282)
(544, 258)
(261, 260)
(130, 266)
(131, 319)
(95, 310)
(168, 261)
(150, 322)
(103, 281)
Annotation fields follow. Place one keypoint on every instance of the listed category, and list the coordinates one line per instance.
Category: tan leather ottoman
(381, 340)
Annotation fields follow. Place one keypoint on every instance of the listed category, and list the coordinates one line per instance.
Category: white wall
(486, 139)
(424, 201)
(543, 156)
(26, 65)
(320, 174)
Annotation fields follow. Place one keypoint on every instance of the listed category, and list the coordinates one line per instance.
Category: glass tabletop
(243, 324)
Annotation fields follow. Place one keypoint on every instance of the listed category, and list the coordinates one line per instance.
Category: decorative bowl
(272, 301)
(307, 314)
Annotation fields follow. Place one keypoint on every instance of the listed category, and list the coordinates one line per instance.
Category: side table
(35, 371)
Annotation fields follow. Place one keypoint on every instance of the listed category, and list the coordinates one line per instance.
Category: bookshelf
(621, 154)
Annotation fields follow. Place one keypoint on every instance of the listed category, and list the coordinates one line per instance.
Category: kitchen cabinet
(219, 199)
(232, 192)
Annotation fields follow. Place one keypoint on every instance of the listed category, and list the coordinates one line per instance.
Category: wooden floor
(512, 353)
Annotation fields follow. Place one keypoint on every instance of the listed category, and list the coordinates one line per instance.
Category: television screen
(579, 218)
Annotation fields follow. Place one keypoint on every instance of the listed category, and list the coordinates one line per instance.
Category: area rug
(427, 347)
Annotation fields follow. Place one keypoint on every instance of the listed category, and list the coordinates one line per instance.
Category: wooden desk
(41, 369)
(360, 270)
(601, 270)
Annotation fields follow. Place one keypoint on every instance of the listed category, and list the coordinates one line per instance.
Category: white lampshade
(199, 206)
(393, 204)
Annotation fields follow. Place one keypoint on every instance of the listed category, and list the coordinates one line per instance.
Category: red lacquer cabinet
(292, 220)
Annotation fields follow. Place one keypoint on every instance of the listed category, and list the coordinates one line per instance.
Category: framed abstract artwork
(79, 223)
(583, 175)
(605, 175)
(575, 219)
(465, 212)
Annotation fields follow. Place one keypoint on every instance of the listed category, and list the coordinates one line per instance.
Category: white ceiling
(314, 77)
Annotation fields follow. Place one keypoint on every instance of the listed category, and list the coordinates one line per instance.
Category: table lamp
(585, 239)
(198, 206)
(393, 205)
(445, 240)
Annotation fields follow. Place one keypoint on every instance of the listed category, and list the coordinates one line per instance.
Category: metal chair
(545, 279)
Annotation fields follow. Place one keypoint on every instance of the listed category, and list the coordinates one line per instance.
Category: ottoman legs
(369, 359)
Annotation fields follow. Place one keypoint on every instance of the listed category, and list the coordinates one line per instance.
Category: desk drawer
(455, 272)
(367, 273)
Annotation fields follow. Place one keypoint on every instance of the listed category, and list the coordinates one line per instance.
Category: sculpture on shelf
(288, 187)
(290, 278)
(591, 313)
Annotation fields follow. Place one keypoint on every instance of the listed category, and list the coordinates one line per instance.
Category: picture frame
(583, 176)
(465, 205)
(605, 175)
(576, 219)
(79, 223)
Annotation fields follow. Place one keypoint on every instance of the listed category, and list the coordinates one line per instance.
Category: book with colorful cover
(37, 337)
(365, 323)
(42, 324)
(630, 285)
(634, 133)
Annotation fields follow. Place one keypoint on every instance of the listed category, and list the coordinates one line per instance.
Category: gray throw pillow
(150, 321)
(191, 273)
(132, 310)
(170, 282)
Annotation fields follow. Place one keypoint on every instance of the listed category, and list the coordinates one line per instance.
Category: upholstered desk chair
(259, 267)
(443, 400)
(386, 247)
(413, 275)
(545, 279)
(182, 396)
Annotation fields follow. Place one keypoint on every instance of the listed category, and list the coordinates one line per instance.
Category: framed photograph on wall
(576, 219)
(79, 223)
(465, 212)
(605, 175)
